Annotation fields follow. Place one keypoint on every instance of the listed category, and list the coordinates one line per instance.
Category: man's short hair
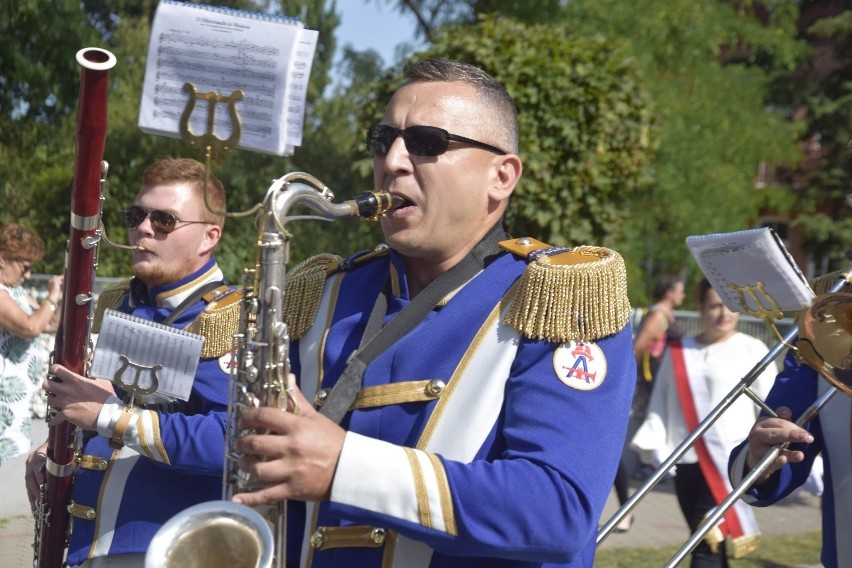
(491, 91)
(168, 171)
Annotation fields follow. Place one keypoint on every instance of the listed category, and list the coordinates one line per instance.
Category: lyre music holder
(208, 139)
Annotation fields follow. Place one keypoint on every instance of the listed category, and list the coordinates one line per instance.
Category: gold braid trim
(579, 294)
(218, 323)
(303, 291)
(745, 545)
(109, 299)
(714, 538)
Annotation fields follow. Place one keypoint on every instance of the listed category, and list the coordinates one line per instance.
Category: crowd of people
(459, 397)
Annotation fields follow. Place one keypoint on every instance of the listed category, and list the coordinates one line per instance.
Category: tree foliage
(713, 125)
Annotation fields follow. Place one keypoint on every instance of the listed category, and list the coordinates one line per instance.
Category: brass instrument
(259, 377)
(825, 344)
(52, 526)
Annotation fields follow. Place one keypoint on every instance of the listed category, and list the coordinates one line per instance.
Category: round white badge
(580, 365)
(227, 362)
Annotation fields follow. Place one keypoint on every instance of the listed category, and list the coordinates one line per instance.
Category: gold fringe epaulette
(109, 299)
(821, 284)
(575, 294)
(304, 284)
(303, 291)
(218, 323)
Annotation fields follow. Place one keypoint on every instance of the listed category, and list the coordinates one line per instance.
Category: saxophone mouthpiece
(373, 204)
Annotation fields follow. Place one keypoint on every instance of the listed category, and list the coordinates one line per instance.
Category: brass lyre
(208, 139)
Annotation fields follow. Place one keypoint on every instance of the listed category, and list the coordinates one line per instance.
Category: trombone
(831, 361)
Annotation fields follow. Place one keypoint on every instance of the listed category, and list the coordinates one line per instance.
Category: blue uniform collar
(171, 295)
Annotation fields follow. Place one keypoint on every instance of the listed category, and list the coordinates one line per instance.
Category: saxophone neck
(302, 188)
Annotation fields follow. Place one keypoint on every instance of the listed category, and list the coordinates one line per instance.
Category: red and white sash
(739, 522)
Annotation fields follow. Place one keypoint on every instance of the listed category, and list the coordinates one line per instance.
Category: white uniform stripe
(311, 346)
(834, 420)
(114, 485)
(466, 413)
(468, 410)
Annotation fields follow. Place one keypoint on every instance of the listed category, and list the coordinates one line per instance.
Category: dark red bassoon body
(72, 337)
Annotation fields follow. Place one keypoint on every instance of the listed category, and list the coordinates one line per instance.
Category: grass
(784, 551)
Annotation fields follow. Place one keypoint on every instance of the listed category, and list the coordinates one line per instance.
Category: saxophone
(224, 533)
(52, 520)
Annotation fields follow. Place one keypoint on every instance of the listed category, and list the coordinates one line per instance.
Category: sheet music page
(751, 258)
(223, 50)
(129, 347)
(297, 86)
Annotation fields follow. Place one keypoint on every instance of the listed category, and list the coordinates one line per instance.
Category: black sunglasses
(163, 222)
(419, 140)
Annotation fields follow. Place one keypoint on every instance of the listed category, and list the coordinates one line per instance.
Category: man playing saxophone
(136, 470)
(481, 383)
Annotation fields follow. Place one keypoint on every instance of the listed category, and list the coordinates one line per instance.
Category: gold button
(320, 396)
(317, 539)
(435, 387)
(378, 536)
(524, 241)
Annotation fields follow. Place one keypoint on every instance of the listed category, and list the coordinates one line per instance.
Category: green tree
(820, 91)
(712, 124)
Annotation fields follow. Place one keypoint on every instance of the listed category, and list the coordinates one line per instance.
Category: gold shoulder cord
(573, 294)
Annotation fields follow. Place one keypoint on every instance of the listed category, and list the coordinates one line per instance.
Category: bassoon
(52, 528)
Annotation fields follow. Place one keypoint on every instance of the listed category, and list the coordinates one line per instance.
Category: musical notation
(267, 58)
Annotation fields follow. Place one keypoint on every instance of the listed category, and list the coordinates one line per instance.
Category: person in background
(828, 436)
(478, 424)
(138, 469)
(22, 320)
(695, 375)
(656, 329)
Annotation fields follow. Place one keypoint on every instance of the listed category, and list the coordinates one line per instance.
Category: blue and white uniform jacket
(469, 444)
(173, 454)
(797, 387)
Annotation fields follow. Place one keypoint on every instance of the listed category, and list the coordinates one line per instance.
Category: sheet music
(125, 337)
(223, 50)
(749, 258)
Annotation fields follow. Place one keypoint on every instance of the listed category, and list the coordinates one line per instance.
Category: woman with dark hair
(22, 320)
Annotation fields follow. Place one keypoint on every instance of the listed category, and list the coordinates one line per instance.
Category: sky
(373, 25)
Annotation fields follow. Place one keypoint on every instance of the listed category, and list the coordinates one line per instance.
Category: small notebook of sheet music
(222, 50)
(750, 260)
(129, 347)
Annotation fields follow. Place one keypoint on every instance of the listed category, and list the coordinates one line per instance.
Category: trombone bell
(825, 339)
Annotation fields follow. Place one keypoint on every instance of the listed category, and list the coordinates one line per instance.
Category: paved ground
(658, 520)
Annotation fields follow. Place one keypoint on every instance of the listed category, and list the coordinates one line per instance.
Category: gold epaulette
(304, 284)
(821, 284)
(573, 294)
(109, 299)
(218, 322)
(303, 291)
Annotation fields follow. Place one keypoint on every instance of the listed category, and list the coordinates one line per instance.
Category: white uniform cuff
(108, 416)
